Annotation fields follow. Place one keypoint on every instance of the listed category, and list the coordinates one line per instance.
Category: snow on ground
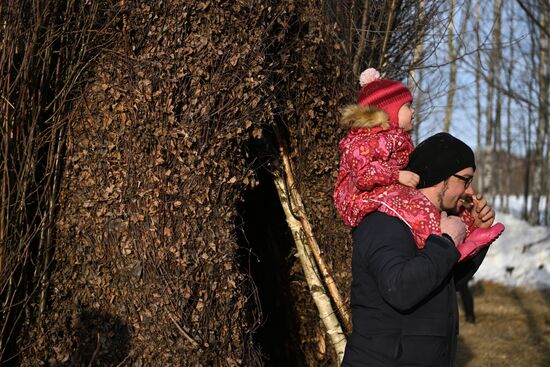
(520, 256)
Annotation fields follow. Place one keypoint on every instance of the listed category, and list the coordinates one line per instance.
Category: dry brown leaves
(155, 166)
(146, 266)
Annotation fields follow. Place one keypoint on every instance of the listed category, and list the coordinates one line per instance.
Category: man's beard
(442, 207)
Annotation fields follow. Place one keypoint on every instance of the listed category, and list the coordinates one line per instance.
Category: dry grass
(512, 329)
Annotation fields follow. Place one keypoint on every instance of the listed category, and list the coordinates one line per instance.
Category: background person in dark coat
(467, 301)
(403, 299)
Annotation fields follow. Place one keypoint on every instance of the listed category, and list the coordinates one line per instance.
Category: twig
(123, 361)
(94, 355)
(531, 244)
(184, 333)
(531, 16)
(9, 103)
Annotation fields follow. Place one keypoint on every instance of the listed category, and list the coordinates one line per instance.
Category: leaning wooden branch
(322, 301)
(299, 211)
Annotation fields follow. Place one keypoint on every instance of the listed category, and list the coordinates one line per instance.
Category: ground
(512, 328)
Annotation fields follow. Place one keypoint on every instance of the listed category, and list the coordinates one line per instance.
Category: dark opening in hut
(267, 253)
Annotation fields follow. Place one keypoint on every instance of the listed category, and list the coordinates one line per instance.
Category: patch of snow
(520, 257)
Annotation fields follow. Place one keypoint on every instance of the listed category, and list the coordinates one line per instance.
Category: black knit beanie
(439, 157)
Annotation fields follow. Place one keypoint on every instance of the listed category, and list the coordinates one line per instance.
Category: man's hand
(408, 178)
(454, 227)
(483, 214)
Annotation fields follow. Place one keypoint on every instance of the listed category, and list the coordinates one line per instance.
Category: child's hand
(408, 178)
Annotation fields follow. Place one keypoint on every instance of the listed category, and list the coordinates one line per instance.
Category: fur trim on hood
(356, 116)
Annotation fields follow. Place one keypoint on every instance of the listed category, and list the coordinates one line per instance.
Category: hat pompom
(369, 75)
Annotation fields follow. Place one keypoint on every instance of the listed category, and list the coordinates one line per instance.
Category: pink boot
(478, 239)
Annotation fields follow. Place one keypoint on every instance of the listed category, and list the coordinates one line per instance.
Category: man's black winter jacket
(403, 299)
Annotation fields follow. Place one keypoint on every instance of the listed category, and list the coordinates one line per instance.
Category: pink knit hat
(387, 95)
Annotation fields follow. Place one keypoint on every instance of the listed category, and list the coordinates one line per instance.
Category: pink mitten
(478, 239)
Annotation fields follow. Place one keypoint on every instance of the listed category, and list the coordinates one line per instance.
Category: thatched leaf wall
(166, 235)
(147, 269)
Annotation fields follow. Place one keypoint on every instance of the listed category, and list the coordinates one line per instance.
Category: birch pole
(299, 211)
(315, 285)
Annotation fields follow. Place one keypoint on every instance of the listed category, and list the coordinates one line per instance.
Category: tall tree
(416, 76)
(363, 33)
(478, 80)
(455, 51)
(505, 199)
(496, 184)
(489, 175)
(452, 69)
(540, 70)
(544, 97)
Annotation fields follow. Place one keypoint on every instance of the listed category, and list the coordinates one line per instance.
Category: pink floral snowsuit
(368, 181)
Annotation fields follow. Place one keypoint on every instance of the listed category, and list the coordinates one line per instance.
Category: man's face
(453, 188)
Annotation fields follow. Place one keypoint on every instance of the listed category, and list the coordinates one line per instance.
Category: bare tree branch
(533, 18)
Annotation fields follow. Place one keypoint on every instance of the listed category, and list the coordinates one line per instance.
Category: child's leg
(360, 205)
(412, 207)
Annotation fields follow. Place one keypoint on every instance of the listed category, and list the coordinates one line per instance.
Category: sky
(515, 41)
(520, 257)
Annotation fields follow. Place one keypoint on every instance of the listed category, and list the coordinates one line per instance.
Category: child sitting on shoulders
(372, 174)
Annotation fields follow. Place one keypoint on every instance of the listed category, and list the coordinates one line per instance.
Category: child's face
(405, 116)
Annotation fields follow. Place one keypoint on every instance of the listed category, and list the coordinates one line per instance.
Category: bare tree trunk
(479, 116)
(531, 158)
(452, 70)
(542, 129)
(416, 76)
(490, 169)
(418, 103)
(362, 39)
(387, 34)
(489, 108)
(528, 159)
(505, 206)
(544, 96)
(496, 184)
(454, 54)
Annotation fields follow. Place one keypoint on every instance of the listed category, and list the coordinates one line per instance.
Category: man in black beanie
(439, 157)
(403, 298)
